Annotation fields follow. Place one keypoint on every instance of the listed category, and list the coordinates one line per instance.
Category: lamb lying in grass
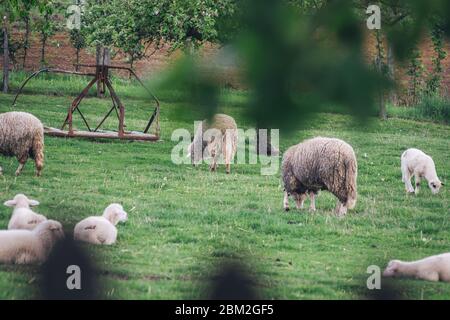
(29, 246)
(434, 268)
(23, 217)
(101, 230)
(420, 165)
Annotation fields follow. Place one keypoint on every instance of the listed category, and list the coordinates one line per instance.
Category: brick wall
(60, 54)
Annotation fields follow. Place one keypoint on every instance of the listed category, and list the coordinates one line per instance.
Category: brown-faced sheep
(22, 136)
(320, 164)
(225, 128)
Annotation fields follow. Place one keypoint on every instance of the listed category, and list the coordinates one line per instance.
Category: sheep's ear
(442, 184)
(10, 203)
(33, 203)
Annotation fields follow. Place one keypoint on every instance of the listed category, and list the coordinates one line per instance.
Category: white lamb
(29, 246)
(434, 268)
(101, 230)
(23, 217)
(416, 163)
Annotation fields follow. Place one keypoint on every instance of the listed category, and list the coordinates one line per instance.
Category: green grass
(184, 220)
(431, 108)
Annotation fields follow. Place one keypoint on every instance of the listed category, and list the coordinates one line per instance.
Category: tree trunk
(379, 64)
(5, 56)
(26, 41)
(131, 67)
(44, 41)
(391, 69)
(78, 60)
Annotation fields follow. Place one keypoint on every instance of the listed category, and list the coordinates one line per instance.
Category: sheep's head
(435, 186)
(115, 213)
(21, 201)
(52, 228)
(392, 268)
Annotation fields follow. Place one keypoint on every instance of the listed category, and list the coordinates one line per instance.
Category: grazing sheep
(29, 246)
(434, 268)
(22, 136)
(320, 164)
(101, 230)
(226, 146)
(23, 217)
(416, 163)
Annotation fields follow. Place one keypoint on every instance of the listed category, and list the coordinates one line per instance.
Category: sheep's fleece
(101, 230)
(226, 146)
(29, 246)
(22, 136)
(415, 162)
(321, 164)
(23, 217)
(434, 268)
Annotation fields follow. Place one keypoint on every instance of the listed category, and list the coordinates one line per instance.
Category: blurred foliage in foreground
(298, 57)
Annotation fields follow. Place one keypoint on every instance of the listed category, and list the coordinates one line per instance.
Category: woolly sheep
(415, 162)
(101, 230)
(434, 268)
(29, 246)
(320, 164)
(226, 146)
(22, 136)
(23, 217)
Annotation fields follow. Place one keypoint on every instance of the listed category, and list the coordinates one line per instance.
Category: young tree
(9, 12)
(78, 41)
(5, 22)
(415, 73)
(434, 80)
(24, 11)
(46, 25)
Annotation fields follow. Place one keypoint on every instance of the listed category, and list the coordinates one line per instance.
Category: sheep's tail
(38, 151)
(352, 174)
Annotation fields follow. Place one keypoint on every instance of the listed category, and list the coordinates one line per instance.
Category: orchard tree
(184, 24)
(78, 41)
(46, 25)
(9, 12)
(25, 8)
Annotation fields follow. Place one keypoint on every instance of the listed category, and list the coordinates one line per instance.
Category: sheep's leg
(312, 197)
(417, 182)
(1, 170)
(407, 179)
(213, 153)
(341, 209)
(227, 151)
(22, 162)
(39, 161)
(299, 200)
(213, 165)
(286, 201)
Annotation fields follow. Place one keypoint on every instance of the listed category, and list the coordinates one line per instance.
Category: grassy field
(183, 221)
